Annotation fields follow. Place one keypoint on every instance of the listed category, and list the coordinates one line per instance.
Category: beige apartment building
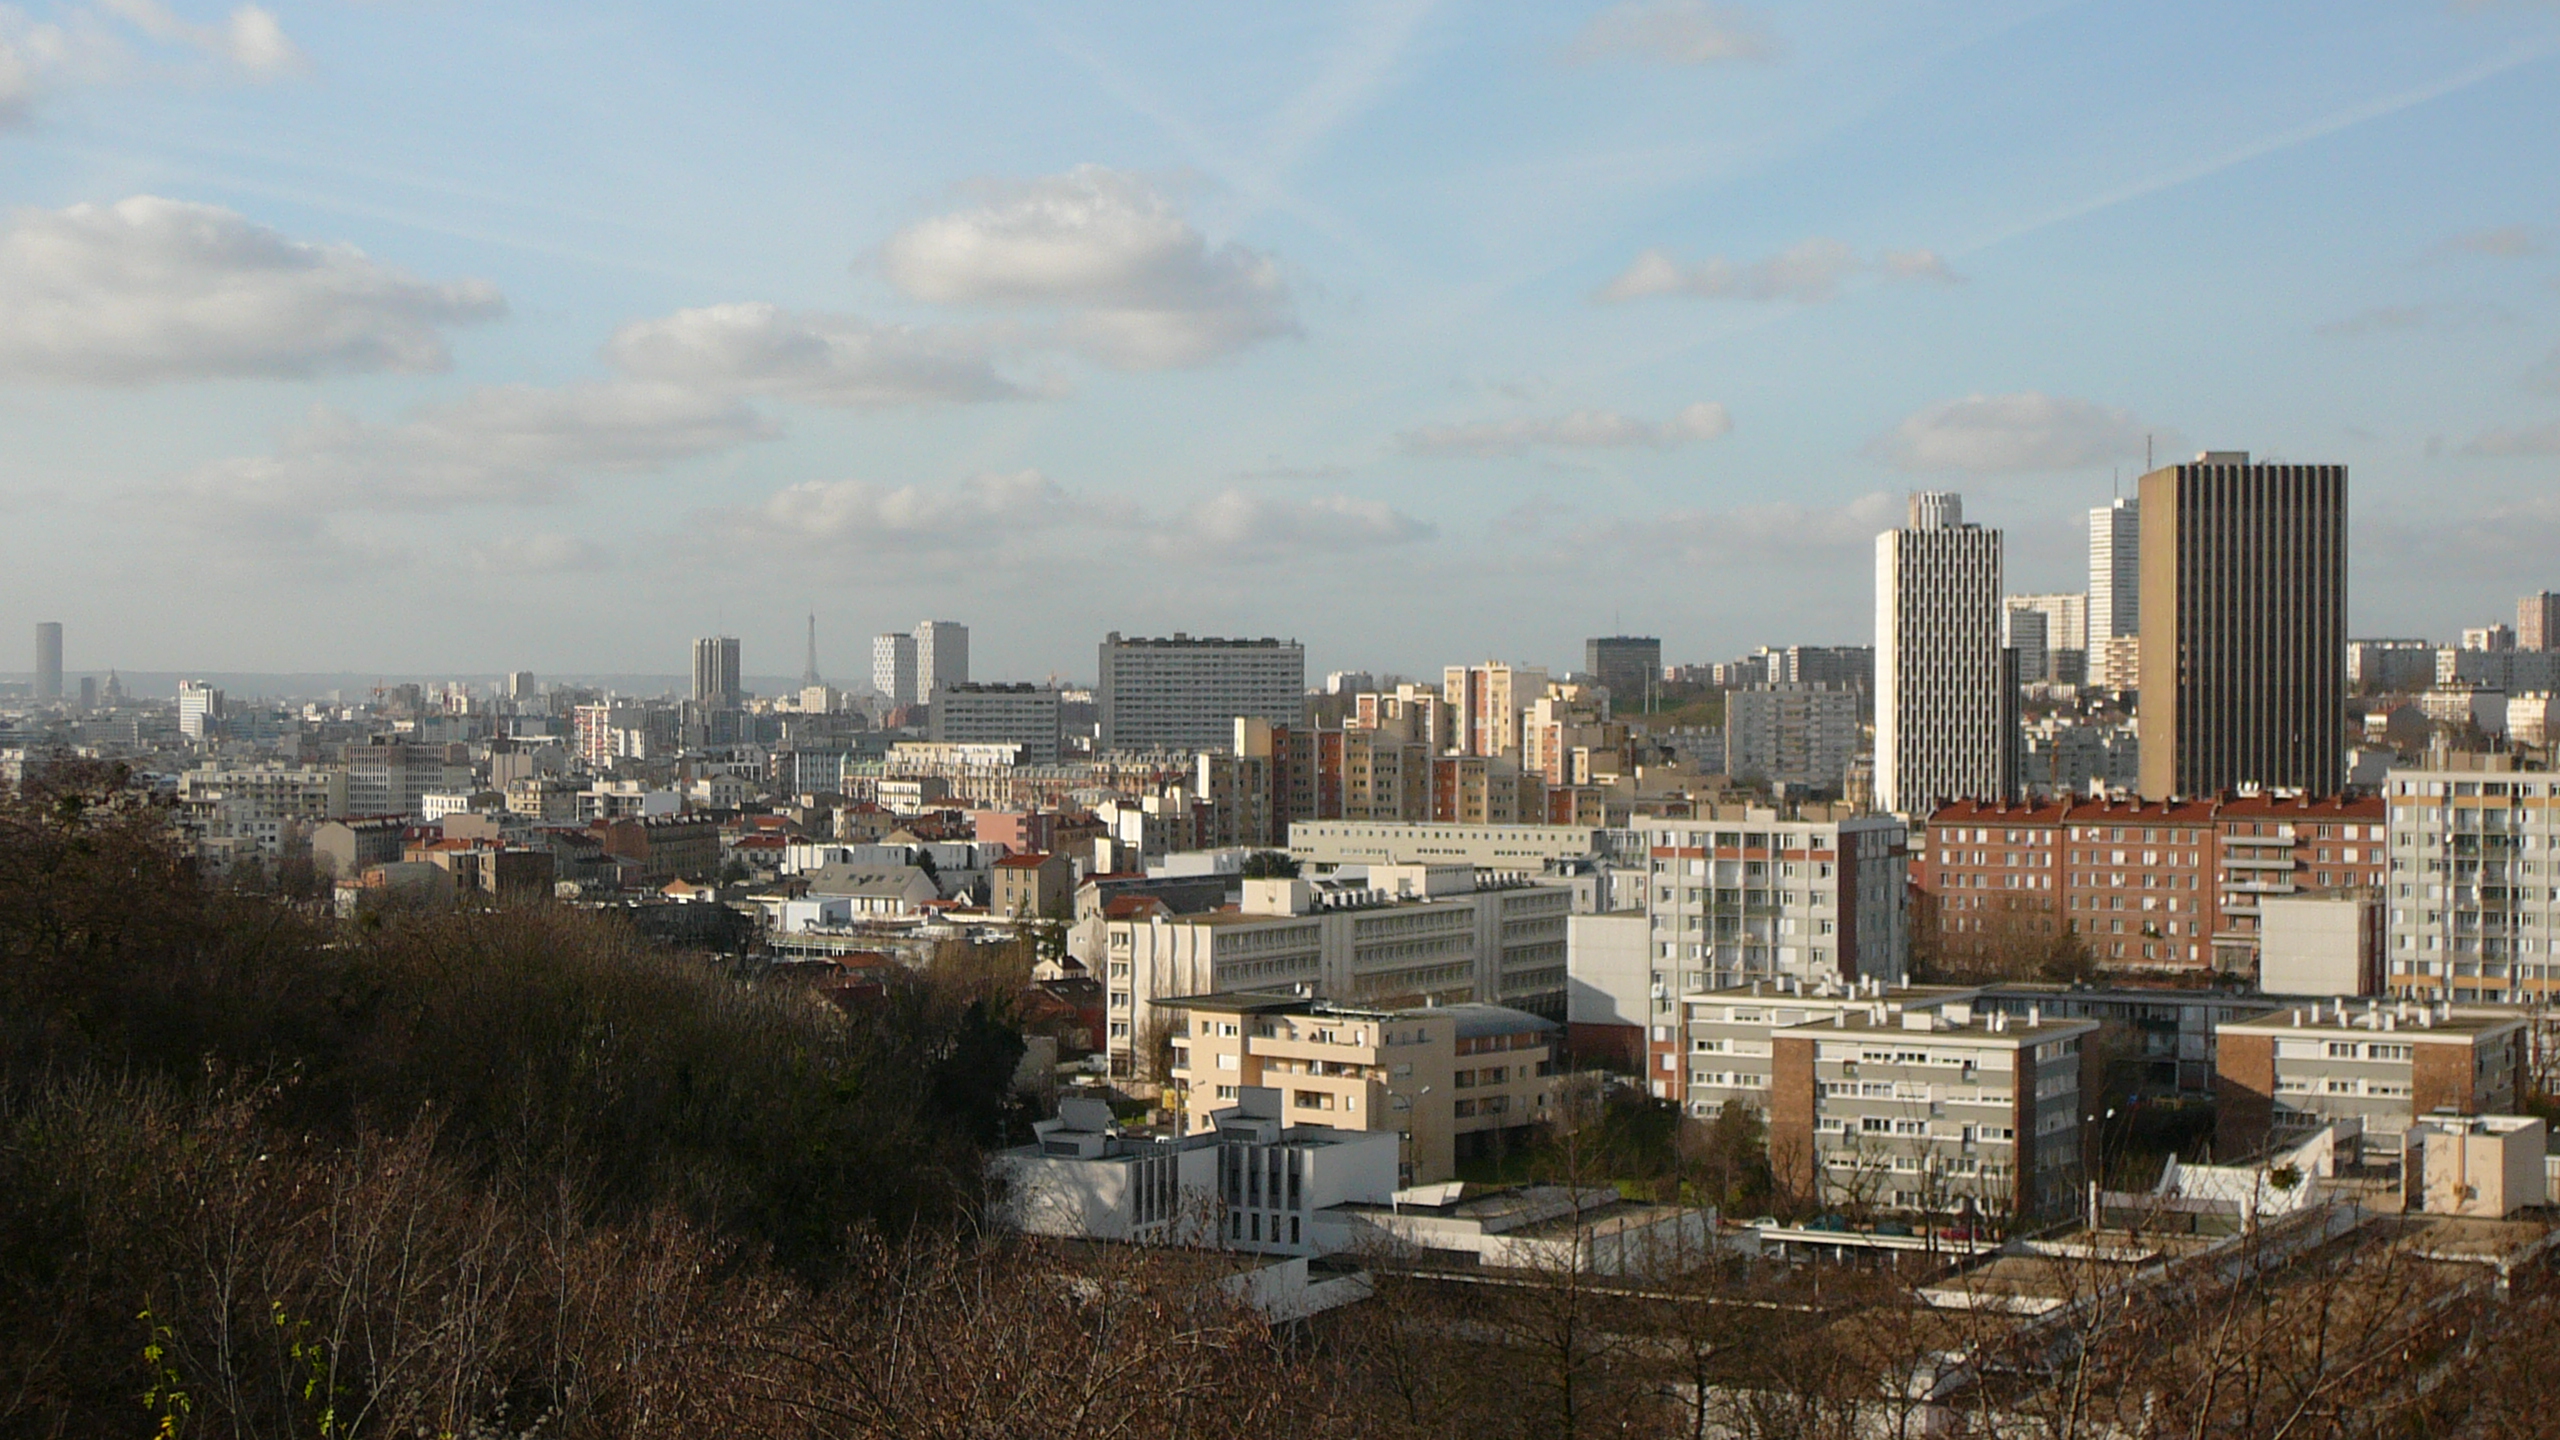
(1397, 935)
(1450, 1080)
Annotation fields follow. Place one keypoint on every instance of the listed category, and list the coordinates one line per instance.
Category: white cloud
(823, 359)
(88, 45)
(536, 553)
(2009, 434)
(1578, 430)
(1135, 285)
(496, 445)
(1919, 265)
(2538, 440)
(1806, 272)
(1745, 535)
(1243, 526)
(1016, 517)
(831, 515)
(149, 289)
(1677, 32)
(248, 38)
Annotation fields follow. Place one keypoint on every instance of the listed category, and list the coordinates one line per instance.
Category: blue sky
(422, 335)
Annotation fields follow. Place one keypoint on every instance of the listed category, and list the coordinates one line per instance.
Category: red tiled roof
(1031, 861)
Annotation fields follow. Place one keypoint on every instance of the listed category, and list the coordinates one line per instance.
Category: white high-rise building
(2115, 571)
(199, 710)
(2115, 594)
(2048, 632)
(942, 657)
(1946, 687)
(893, 669)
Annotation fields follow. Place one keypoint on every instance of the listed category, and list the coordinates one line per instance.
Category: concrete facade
(2244, 627)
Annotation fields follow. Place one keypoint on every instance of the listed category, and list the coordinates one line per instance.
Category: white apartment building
(1946, 685)
(1184, 693)
(1743, 894)
(1397, 934)
(893, 669)
(1792, 736)
(2474, 881)
(2044, 629)
(1247, 1181)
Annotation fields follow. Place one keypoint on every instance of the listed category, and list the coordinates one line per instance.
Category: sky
(427, 336)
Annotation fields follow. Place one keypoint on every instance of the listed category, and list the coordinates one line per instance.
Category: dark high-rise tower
(2244, 627)
(715, 673)
(1630, 665)
(49, 660)
(809, 672)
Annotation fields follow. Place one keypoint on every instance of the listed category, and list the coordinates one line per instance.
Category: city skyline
(1235, 323)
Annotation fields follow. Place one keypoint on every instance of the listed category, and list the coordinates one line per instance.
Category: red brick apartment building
(2169, 886)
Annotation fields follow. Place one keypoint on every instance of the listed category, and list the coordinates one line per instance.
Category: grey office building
(715, 673)
(49, 660)
(1630, 665)
(1186, 693)
(2244, 627)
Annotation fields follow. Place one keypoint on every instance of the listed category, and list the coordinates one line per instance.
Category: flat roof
(2460, 1025)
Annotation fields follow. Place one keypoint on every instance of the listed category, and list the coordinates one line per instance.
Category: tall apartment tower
(893, 668)
(2115, 594)
(942, 657)
(1946, 687)
(49, 660)
(715, 673)
(1630, 665)
(809, 670)
(1186, 692)
(2538, 622)
(1486, 701)
(2244, 627)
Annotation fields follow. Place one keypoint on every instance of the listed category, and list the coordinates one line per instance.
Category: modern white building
(1249, 1182)
(1745, 894)
(1946, 686)
(199, 710)
(1186, 692)
(893, 669)
(2051, 635)
(2115, 571)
